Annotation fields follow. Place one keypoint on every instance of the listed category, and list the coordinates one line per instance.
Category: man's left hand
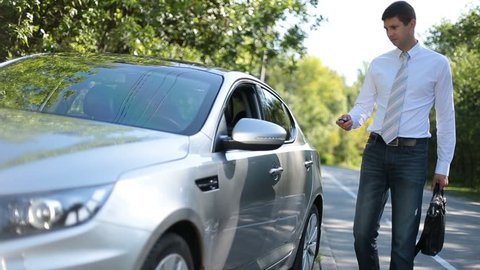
(442, 180)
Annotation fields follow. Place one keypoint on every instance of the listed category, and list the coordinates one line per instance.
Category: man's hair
(401, 9)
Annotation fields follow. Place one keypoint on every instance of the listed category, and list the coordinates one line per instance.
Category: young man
(404, 84)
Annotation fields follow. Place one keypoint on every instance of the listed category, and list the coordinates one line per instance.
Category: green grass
(464, 192)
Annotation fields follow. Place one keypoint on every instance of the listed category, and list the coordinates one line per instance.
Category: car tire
(308, 246)
(170, 252)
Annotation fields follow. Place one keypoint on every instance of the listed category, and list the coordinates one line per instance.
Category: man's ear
(413, 23)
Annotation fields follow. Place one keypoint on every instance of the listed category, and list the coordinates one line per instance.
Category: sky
(353, 32)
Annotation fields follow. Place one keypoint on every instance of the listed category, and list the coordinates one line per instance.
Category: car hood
(40, 152)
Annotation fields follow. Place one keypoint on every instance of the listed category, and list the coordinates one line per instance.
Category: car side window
(275, 111)
(241, 104)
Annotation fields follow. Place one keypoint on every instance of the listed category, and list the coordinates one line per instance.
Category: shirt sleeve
(363, 107)
(445, 118)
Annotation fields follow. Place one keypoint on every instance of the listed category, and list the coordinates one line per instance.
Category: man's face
(399, 34)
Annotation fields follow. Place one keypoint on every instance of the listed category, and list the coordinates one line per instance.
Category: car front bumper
(94, 245)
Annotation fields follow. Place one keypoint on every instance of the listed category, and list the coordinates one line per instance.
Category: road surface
(461, 249)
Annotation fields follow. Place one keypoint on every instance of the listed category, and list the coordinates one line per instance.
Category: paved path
(462, 242)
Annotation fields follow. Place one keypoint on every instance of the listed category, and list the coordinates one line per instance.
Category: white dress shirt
(429, 83)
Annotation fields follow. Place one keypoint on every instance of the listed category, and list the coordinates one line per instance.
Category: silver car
(123, 162)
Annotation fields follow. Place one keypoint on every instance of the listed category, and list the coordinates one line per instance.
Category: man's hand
(442, 181)
(345, 122)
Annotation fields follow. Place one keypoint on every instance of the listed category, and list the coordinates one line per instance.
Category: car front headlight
(27, 214)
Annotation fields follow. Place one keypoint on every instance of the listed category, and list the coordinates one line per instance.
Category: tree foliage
(316, 95)
(461, 43)
(226, 33)
(353, 142)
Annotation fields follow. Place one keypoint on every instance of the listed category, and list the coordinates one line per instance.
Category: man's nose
(390, 33)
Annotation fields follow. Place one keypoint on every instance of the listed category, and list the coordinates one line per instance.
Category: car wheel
(308, 247)
(170, 253)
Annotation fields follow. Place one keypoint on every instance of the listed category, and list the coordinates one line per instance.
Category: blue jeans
(403, 170)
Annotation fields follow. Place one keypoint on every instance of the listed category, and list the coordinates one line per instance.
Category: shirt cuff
(355, 120)
(442, 168)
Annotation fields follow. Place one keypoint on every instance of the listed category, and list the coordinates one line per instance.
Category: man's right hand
(345, 122)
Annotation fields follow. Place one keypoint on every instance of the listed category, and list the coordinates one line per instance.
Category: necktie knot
(404, 57)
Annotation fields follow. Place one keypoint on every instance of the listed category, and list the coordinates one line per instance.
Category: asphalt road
(461, 249)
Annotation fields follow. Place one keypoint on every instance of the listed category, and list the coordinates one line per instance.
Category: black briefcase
(433, 234)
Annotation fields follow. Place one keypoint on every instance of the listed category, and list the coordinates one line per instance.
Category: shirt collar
(412, 52)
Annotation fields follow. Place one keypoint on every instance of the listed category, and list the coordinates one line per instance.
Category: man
(404, 84)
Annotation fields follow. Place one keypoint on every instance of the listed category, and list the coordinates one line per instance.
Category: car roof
(137, 60)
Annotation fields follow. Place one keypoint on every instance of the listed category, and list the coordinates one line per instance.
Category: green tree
(461, 43)
(228, 33)
(353, 142)
(317, 96)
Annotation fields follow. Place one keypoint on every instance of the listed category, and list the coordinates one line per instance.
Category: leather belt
(399, 141)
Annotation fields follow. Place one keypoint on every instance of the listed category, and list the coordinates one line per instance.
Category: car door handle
(308, 164)
(207, 183)
(276, 173)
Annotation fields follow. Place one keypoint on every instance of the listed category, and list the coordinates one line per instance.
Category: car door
(247, 179)
(293, 187)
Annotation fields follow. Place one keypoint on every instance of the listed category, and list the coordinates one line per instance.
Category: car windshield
(126, 90)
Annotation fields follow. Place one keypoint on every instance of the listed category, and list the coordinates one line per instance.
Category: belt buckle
(394, 142)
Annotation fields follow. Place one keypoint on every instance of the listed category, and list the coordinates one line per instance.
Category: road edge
(327, 261)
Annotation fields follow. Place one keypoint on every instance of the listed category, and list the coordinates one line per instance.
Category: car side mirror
(254, 134)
